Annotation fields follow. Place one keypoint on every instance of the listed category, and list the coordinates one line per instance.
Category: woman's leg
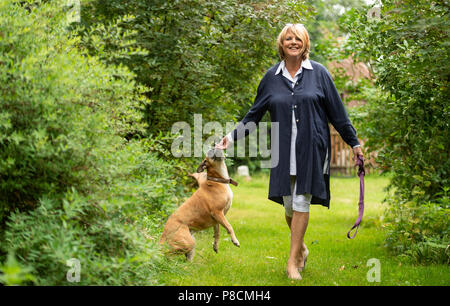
(303, 251)
(298, 225)
(297, 217)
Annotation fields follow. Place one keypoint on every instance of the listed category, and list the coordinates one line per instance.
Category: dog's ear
(202, 166)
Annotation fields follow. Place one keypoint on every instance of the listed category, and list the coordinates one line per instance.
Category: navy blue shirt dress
(316, 102)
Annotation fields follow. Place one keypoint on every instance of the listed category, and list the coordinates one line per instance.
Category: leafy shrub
(420, 231)
(406, 117)
(73, 184)
(55, 105)
(13, 273)
(113, 232)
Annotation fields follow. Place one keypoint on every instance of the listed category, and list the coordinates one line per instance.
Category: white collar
(305, 64)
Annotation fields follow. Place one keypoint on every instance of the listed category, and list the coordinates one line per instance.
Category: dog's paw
(215, 248)
(236, 243)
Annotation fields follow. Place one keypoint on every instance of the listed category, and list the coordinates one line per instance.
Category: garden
(90, 93)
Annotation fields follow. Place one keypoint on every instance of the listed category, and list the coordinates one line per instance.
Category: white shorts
(296, 202)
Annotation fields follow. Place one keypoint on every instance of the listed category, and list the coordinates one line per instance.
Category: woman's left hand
(357, 151)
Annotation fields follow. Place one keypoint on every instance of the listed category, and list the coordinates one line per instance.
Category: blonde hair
(299, 31)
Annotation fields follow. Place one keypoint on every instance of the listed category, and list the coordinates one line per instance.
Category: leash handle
(361, 173)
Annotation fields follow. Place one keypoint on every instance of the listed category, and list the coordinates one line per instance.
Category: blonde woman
(301, 97)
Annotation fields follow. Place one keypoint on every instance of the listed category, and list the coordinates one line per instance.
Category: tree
(406, 118)
(323, 27)
(200, 56)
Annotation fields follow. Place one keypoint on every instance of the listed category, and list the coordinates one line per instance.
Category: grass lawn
(334, 259)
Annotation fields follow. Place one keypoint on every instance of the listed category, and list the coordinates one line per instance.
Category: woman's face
(292, 45)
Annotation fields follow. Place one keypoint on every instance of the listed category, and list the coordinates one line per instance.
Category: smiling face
(293, 41)
(292, 45)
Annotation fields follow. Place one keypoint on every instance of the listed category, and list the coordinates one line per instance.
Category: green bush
(113, 232)
(55, 104)
(406, 116)
(73, 184)
(420, 232)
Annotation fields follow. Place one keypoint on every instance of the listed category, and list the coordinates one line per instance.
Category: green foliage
(113, 248)
(13, 273)
(407, 118)
(420, 232)
(73, 183)
(195, 56)
(323, 29)
(55, 104)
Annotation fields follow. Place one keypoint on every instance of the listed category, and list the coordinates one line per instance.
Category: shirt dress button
(292, 93)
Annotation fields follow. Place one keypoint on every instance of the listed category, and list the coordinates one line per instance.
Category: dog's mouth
(216, 154)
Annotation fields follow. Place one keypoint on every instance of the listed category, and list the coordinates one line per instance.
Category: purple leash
(361, 172)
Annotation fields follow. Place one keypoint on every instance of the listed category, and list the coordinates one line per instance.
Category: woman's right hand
(223, 144)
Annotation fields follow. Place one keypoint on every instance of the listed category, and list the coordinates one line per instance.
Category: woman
(301, 96)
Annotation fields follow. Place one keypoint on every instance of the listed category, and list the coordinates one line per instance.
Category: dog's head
(213, 158)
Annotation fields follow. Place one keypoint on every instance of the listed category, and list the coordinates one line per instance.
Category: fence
(342, 162)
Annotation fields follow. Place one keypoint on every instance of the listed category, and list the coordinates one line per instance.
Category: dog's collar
(222, 180)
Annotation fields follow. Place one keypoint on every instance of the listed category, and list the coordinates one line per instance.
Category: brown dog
(205, 208)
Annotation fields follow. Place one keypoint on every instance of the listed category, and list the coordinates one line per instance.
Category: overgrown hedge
(72, 185)
(406, 118)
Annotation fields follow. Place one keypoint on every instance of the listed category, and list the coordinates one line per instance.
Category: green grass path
(334, 259)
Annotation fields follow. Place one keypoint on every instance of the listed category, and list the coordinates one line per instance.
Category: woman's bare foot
(292, 272)
(302, 259)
